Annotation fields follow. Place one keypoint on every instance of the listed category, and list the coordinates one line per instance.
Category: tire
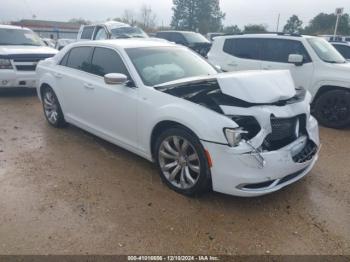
(187, 157)
(332, 109)
(52, 108)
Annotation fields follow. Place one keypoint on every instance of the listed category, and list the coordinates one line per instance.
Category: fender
(317, 86)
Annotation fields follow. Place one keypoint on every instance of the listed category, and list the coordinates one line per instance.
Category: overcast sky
(238, 12)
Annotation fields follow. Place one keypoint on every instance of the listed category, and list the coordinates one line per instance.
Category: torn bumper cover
(245, 172)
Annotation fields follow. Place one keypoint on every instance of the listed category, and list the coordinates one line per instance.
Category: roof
(127, 43)
(46, 24)
(265, 35)
(12, 27)
(175, 31)
(111, 24)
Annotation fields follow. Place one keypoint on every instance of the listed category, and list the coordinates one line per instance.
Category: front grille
(28, 59)
(284, 131)
(307, 153)
(28, 62)
(26, 67)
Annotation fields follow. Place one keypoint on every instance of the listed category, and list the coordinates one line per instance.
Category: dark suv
(195, 41)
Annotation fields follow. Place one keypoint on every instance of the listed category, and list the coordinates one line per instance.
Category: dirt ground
(67, 192)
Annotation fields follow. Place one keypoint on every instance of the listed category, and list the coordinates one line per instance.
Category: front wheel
(52, 109)
(332, 109)
(182, 162)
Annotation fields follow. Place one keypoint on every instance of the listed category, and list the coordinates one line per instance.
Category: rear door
(275, 57)
(71, 77)
(241, 54)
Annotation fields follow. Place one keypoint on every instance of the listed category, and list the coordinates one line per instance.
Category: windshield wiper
(29, 44)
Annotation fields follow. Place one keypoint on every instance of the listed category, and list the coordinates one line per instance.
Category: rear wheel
(52, 108)
(332, 109)
(182, 162)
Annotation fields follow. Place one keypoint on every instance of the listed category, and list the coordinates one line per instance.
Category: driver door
(112, 109)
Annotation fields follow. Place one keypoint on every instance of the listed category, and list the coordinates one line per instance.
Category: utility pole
(278, 22)
(338, 12)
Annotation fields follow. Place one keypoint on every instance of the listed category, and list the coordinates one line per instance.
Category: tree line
(206, 16)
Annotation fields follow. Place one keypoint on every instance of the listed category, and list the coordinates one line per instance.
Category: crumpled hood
(258, 86)
(19, 50)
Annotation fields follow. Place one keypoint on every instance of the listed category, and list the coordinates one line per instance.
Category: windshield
(158, 65)
(326, 51)
(194, 37)
(128, 32)
(19, 37)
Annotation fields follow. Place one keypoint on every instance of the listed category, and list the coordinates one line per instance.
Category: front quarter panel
(157, 107)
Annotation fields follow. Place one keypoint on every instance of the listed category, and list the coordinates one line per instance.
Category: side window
(105, 61)
(65, 59)
(343, 50)
(278, 50)
(87, 32)
(247, 48)
(178, 38)
(100, 34)
(79, 58)
(163, 36)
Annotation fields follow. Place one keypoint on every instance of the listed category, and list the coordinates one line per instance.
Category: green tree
(324, 24)
(254, 28)
(232, 29)
(197, 15)
(294, 25)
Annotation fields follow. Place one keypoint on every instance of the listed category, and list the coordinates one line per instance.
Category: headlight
(234, 135)
(5, 64)
(249, 124)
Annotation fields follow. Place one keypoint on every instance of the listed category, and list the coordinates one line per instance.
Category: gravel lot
(67, 192)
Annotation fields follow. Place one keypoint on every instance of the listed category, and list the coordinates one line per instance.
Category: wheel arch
(163, 126)
(325, 88)
(42, 87)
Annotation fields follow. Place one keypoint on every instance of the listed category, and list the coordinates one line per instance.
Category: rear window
(247, 48)
(79, 58)
(87, 32)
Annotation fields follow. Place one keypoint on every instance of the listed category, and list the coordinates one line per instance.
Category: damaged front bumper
(248, 171)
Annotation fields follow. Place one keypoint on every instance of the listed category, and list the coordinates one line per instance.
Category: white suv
(313, 62)
(20, 51)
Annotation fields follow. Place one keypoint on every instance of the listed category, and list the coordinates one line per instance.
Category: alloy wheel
(335, 109)
(50, 106)
(179, 162)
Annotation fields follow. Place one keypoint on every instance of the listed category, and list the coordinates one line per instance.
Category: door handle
(89, 86)
(57, 75)
(233, 64)
(266, 68)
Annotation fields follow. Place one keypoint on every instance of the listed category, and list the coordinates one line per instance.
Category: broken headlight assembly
(248, 128)
(5, 64)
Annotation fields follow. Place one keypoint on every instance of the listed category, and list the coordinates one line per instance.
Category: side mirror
(295, 59)
(115, 79)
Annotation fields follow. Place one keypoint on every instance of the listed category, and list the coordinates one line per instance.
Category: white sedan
(245, 134)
